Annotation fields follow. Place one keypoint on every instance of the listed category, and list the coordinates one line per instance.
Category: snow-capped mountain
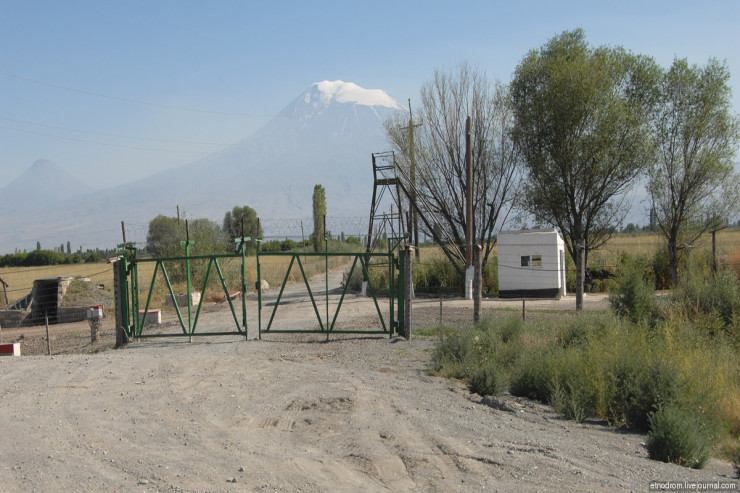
(324, 136)
(42, 185)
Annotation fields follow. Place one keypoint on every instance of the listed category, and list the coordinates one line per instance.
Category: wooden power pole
(469, 269)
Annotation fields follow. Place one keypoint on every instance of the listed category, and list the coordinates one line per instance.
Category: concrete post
(477, 282)
(121, 338)
(582, 277)
(95, 324)
(408, 288)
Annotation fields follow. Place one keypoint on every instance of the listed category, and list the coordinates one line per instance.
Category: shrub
(571, 393)
(632, 297)
(452, 357)
(576, 332)
(679, 437)
(531, 376)
(507, 330)
(639, 386)
(661, 269)
(378, 277)
(573, 402)
(489, 379)
(438, 275)
(490, 276)
(715, 298)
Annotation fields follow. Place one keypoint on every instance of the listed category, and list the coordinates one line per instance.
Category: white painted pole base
(363, 290)
(469, 274)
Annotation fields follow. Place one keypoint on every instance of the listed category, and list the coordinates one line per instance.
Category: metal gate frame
(130, 302)
(395, 283)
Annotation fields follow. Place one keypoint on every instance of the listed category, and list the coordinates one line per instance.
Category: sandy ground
(293, 412)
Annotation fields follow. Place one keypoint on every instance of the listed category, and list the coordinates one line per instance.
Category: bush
(632, 297)
(574, 402)
(679, 437)
(438, 275)
(715, 298)
(661, 269)
(577, 331)
(639, 386)
(571, 393)
(453, 356)
(531, 375)
(489, 379)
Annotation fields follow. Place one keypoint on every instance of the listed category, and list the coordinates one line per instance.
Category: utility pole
(469, 269)
(414, 223)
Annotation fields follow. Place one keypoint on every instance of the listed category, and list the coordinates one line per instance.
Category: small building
(531, 264)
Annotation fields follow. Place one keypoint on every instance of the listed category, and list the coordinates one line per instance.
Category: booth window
(536, 260)
(525, 260)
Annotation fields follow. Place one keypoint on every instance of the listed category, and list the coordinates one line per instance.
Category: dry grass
(727, 245)
(20, 279)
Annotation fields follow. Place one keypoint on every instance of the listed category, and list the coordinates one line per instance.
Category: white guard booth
(531, 264)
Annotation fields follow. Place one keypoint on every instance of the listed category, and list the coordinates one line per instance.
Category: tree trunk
(580, 274)
(673, 261)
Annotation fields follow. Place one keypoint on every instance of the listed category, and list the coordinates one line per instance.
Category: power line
(107, 144)
(130, 100)
(24, 122)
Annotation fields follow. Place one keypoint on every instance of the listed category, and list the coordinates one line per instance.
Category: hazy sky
(243, 61)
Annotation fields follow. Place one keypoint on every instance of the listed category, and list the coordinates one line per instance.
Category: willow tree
(438, 153)
(692, 182)
(582, 126)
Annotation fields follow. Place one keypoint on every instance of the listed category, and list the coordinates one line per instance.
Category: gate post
(120, 289)
(408, 289)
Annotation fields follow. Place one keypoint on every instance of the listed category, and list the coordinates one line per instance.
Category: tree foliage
(582, 126)
(439, 151)
(166, 233)
(692, 183)
(232, 225)
(319, 211)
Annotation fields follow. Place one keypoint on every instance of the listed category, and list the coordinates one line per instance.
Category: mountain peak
(42, 163)
(44, 184)
(347, 92)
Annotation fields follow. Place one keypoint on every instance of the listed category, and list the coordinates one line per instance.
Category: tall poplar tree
(319, 211)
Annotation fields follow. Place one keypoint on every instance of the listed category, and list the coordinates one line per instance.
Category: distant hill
(324, 136)
(43, 185)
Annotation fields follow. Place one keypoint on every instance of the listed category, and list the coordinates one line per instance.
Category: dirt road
(295, 413)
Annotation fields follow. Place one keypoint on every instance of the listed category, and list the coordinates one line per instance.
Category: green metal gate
(132, 321)
(391, 320)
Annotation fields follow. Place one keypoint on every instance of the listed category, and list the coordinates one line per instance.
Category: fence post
(408, 289)
(477, 277)
(48, 341)
(121, 336)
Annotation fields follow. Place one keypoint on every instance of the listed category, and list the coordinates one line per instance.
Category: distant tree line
(166, 234)
(38, 258)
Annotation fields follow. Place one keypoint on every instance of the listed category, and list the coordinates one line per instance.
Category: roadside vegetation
(665, 365)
